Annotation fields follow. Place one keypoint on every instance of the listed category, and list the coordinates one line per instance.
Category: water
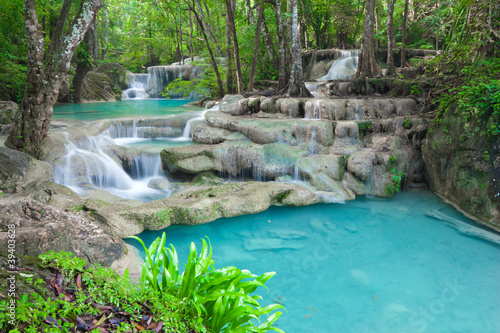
(370, 265)
(91, 164)
(344, 68)
(122, 109)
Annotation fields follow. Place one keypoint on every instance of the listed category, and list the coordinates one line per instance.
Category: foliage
(394, 187)
(476, 94)
(205, 85)
(100, 288)
(221, 296)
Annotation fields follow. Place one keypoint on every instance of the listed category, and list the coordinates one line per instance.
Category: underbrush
(89, 298)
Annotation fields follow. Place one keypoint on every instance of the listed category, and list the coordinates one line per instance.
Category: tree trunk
(391, 70)
(265, 36)
(282, 79)
(250, 16)
(220, 91)
(230, 9)
(105, 47)
(403, 41)
(297, 86)
(256, 48)
(367, 65)
(207, 28)
(46, 71)
(230, 74)
(84, 60)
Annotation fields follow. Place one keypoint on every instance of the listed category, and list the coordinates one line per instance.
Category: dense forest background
(145, 33)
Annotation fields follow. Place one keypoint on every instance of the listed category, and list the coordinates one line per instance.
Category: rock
(263, 131)
(8, 110)
(407, 72)
(99, 87)
(361, 164)
(290, 107)
(268, 104)
(159, 183)
(19, 169)
(230, 104)
(116, 72)
(40, 228)
(463, 166)
(207, 203)
(331, 109)
(209, 135)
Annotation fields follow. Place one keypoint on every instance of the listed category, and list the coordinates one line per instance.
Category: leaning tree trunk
(403, 41)
(367, 66)
(282, 79)
(297, 86)
(46, 71)
(391, 70)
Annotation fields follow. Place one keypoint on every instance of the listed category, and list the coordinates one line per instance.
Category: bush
(221, 296)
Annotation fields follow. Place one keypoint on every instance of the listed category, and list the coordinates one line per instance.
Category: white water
(344, 68)
(153, 84)
(88, 165)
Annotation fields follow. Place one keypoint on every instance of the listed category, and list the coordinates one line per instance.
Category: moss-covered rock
(463, 166)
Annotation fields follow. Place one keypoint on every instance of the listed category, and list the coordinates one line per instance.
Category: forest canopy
(142, 33)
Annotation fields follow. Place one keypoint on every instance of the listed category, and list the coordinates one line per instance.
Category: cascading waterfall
(343, 68)
(87, 164)
(153, 84)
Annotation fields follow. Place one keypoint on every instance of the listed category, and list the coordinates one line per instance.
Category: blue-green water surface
(369, 265)
(127, 108)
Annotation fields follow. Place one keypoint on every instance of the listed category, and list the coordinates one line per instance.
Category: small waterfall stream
(153, 84)
(343, 68)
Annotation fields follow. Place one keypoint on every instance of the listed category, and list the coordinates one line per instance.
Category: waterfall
(313, 110)
(356, 113)
(296, 174)
(137, 84)
(312, 147)
(153, 84)
(87, 165)
(343, 68)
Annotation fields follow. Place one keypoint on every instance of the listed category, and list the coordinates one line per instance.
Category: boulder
(98, 87)
(463, 165)
(8, 110)
(40, 228)
(116, 72)
(159, 183)
(18, 169)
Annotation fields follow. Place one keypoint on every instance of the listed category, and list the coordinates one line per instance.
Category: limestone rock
(40, 228)
(159, 183)
(19, 169)
(116, 72)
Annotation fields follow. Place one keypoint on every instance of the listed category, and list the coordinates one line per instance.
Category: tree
(47, 69)
(368, 66)
(297, 86)
(282, 79)
(390, 38)
(403, 42)
(260, 16)
(230, 8)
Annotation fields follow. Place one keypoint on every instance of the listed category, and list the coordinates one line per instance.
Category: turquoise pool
(122, 109)
(369, 265)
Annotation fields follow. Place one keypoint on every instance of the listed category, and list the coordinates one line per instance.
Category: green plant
(65, 261)
(407, 123)
(222, 296)
(394, 187)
